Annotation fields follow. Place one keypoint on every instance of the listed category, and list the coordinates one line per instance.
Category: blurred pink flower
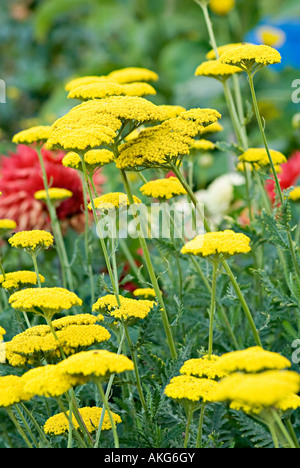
(288, 176)
(21, 177)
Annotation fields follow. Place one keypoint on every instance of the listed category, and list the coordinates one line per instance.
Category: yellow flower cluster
(84, 80)
(211, 55)
(55, 194)
(187, 387)
(59, 424)
(133, 74)
(216, 69)
(32, 241)
(264, 389)
(99, 364)
(163, 188)
(203, 145)
(2, 333)
(7, 225)
(129, 310)
(106, 89)
(93, 159)
(12, 391)
(295, 194)
(171, 111)
(203, 367)
(254, 359)
(225, 242)
(33, 135)
(247, 56)
(44, 301)
(73, 332)
(19, 279)
(110, 201)
(165, 142)
(221, 7)
(144, 292)
(259, 157)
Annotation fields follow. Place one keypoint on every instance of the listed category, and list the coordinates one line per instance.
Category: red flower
(288, 176)
(21, 177)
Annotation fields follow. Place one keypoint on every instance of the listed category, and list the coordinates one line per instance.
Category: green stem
(65, 266)
(200, 427)
(75, 432)
(283, 430)
(109, 386)
(36, 268)
(292, 432)
(272, 430)
(188, 425)
(136, 370)
(277, 184)
(86, 243)
(150, 268)
(212, 308)
(35, 423)
(19, 428)
(106, 406)
(29, 431)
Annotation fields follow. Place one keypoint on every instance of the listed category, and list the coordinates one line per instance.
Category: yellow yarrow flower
(84, 80)
(211, 55)
(19, 279)
(49, 381)
(80, 138)
(7, 225)
(72, 160)
(93, 159)
(59, 423)
(253, 359)
(289, 403)
(271, 36)
(216, 69)
(205, 367)
(129, 310)
(213, 244)
(12, 391)
(44, 301)
(163, 188)
(213, 128)
(32, 241)
(265, 389)
(188, 388)
(55, 194)
(203, 145)
(106, 89)
(259, 157)
(37, 134)
(2, 333)
(248, 56)
(111, 201)
(171, 111)
(221, 7)
(133, 74)
(144, 292)
(295, 194)
(98, 364)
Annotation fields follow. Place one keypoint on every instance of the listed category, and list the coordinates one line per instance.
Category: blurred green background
(44, 43)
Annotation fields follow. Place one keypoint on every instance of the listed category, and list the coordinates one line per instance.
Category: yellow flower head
(213, 128)
(72, 160)
(144, 292)
(93, 159)
(44, 301)
(2, 333)
(259, 157)
(32, 241)
(59, 423)
(99, 364)
(216, 69)
(37, 134)
(247, 56)
(289, 403)
(156, 146)
(226, 243)
(49, 381)
(204, 367)
(55, 194)
(295, 194)
(7, 225)
(171, 111)
(19, 279)
(72, 138)
(132, 75)
(187, 387)
(111, 201)
(211, 55)
(84, 80)
(265, 389)
(271, 36)
(254, 359)
(221, 7)
(107, 88)
(203, 145)
(12, 391)
(163, 188)
(130, 309)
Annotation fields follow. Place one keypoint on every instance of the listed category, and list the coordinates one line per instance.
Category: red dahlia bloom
(288, 176)
(21, 177)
